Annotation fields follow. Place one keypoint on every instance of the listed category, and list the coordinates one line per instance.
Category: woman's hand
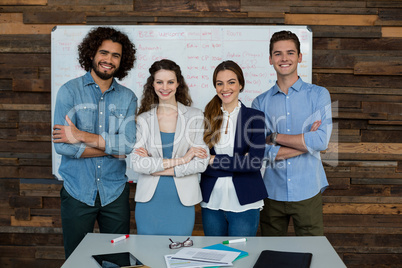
(211, 159)
(142, 152)
(195, 152)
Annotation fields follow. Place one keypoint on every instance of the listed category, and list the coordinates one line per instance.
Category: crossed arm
(70, 134)
(291, 145)
(169, 164)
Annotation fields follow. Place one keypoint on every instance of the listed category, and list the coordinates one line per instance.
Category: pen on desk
(234, 241)
(120, 238)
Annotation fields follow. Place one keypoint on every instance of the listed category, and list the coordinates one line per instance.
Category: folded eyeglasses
(186, 243)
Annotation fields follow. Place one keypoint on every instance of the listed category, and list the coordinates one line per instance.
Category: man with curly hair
(94, 129)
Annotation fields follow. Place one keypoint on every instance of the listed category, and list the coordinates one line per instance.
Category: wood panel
(185, 5)
(12, 23)
(329, 19)
(24, 2)
(391, 32)
(63, 17)
(380, 66)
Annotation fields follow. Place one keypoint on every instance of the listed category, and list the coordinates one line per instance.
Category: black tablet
(120, 259)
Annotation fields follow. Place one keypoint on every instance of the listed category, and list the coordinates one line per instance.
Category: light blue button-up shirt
(301, 177)
(109, 114)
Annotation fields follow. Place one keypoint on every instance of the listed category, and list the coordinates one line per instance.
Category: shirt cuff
(309, 141)
(108, 149)
(81, 150)
(271, 151)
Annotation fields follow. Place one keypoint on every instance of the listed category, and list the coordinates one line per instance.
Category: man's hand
(66, 134)
(315, 125)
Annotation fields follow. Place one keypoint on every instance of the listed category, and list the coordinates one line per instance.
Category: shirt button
(288, 179)
(288, 130)
(98, 179)
(101, 112)
(287, 97)
(288, 113)
(100, 125)
(288, 163)
(98, 166)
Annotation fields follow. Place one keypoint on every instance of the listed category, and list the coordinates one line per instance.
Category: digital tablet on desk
(120, 259)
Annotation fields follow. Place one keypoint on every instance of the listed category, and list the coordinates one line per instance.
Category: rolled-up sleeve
(318, 140)
(65, 106)
(123, 141)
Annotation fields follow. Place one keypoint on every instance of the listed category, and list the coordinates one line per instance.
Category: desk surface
(150, 249)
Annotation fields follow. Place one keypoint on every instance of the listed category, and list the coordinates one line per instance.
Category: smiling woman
(232, 186)
(168, 155)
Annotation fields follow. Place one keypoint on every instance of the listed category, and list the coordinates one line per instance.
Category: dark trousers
(78, 218)
(306, 215)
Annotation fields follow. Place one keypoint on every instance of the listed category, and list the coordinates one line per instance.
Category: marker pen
(120, 238)
(234, 241)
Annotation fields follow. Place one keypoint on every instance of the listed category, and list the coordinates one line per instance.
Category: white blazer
(189, 133)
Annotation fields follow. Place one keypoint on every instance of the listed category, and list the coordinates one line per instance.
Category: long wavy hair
(94, 39)
(213, 113)
(149, 97)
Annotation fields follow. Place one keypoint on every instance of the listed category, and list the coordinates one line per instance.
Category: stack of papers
(199, 257)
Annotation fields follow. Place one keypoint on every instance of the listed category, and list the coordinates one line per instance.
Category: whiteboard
(197, 49)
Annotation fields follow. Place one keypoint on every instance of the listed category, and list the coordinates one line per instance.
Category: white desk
(151, 249)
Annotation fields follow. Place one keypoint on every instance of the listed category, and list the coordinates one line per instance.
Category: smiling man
(93, 130)
(299, 124)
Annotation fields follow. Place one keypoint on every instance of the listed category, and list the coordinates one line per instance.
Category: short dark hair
(94, 39)
(281, 36)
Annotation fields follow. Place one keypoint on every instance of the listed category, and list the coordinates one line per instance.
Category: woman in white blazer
(168, 155)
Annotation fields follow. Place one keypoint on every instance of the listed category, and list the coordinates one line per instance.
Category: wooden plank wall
(357, 56)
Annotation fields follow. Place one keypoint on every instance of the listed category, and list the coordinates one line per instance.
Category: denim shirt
(109, 114)
(301, 177)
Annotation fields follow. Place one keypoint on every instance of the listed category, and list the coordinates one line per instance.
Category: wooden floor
(357, 55)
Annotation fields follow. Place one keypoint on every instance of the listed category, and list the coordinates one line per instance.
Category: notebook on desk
(283, 259)
(223, 247)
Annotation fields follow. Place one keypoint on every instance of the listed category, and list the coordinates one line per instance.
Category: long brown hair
(213, 113)
(149, 97)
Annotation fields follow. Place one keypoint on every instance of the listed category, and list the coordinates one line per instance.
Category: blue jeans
(226, 223)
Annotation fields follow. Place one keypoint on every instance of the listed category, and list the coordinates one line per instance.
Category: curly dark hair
(93, 40)
(149, 97)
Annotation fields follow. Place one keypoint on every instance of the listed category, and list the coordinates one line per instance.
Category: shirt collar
(88, 80)
(296, 86)
(235, 111)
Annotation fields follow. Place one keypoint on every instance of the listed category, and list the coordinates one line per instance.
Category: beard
(101, 75)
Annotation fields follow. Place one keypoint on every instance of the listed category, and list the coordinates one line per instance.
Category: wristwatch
(273, 138)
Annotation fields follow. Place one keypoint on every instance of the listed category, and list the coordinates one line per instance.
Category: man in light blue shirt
(299, 125)
(94, 128)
